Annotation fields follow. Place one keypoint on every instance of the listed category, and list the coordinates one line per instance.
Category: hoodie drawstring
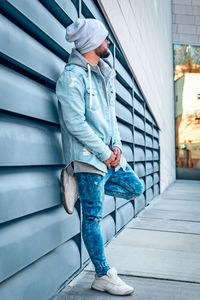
(90, 83)
(114, 91)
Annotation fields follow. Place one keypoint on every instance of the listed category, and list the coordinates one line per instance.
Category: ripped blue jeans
(91, 188)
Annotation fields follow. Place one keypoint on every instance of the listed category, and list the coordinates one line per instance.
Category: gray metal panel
(155, 132)
(156, 190)
(25, 142)
(155, 144)
(138, 122)
(36, 188)
(156, 177)
(136, 90)
(64, 11)
(149, 141)
(18, 47)
(139, 203)
(33, 236)
(109, 205)
(149, 195)
(120, 202)
(40, 21)
(128, 153)
(42, 279)
(139, 169)
(149, 168)
(148, 128)
(149, 181)
(138, 106)
(107, 228)
(149, 154)
(92, 9)
(25, 96)
(148, 116)
(139, 154)
(155, 154)
(123, 93)
(125, 133)
(68, 7)
(84, 252)
(123, 215)
(124, 113)
(27, 190)
(123, 73)
(155, 166)
(138, 138)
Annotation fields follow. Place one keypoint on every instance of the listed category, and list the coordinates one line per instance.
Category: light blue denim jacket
(86, 107)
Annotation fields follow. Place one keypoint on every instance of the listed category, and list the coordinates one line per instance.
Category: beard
(102, 53)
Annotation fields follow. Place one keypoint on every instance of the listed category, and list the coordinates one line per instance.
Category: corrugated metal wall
(41, 247)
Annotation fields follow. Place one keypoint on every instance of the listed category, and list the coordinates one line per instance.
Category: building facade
(41, 246)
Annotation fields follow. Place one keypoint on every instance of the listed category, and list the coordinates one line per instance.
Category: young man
(91, 140)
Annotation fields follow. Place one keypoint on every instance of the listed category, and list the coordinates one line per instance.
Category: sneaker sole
(96, 288)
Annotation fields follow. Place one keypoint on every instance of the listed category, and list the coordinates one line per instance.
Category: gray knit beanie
(87, 34)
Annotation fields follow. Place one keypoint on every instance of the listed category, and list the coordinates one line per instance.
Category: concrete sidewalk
(158, 253)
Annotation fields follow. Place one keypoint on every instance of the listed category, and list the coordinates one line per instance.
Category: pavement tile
(167, 225)
(158, 253)
(145, 289)
(178, 205)
(170, 214)
(166, 255)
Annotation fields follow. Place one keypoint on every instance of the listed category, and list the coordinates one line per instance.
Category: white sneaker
(111, 283)
(70, 191)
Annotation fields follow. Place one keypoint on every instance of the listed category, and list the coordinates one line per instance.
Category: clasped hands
(114, 159)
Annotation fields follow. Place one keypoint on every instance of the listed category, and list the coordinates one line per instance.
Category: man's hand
(117, 152)
(110, 160)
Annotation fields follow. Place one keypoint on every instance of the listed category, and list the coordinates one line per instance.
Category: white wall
(143, 28)
(186, 22)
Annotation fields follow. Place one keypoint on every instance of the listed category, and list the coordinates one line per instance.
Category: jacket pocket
(92, 103)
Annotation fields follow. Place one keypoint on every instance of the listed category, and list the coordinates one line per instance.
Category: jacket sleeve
(70, 93)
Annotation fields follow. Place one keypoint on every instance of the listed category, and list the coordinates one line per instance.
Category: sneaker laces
(112, 273)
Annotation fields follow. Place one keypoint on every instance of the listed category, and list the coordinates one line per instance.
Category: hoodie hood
(108, 72)
(76, 58)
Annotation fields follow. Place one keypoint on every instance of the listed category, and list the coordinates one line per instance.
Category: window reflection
(187, 110)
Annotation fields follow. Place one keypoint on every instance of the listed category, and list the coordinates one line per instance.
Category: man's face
(102, 51)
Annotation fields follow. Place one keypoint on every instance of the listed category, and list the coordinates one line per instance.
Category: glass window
(187, 110)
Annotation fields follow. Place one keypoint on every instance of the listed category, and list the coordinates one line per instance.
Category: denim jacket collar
(77, 59)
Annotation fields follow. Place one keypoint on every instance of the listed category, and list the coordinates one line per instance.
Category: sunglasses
(107, 38)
